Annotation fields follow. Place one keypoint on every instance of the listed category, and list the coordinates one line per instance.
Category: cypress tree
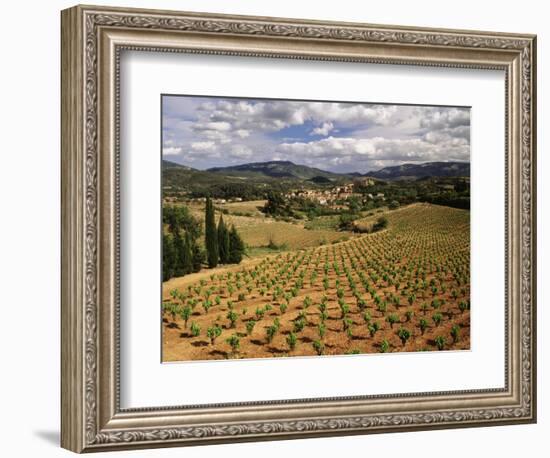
(179, 249)
(223, 241)
(236, 246)
(168, 257)
(211, 235)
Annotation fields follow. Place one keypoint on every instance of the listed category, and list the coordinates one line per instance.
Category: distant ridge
(174, 165)
(426, 169)
(288, 170)
(277, 169)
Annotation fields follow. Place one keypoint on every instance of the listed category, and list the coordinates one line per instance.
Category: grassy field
(249, 208)
(259, 232)
(406, 288)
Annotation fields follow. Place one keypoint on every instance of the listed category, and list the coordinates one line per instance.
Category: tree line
(181, 252)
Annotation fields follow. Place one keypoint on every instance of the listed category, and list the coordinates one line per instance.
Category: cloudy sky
(204, 132)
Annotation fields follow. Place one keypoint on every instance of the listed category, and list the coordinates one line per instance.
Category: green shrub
(299, 325)
(235, 342)
(250, 326)
(440, 342)
(455, 333)
(319, 347)
(174, 293)
(213, 332)
(291, 341)
(321, 329)
(423, 324)
(366, 317)
(206, 305)
(404, 334)
(437, 317)
(232, 317)
(384, 346)
(392, 319)
(195, 329)
(270, 332)
(186, 314)
(373, 328)
(344, 309)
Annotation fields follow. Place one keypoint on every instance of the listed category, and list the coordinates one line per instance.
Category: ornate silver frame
(92, 38)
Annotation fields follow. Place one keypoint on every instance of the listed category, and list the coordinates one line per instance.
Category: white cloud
(378, 148)
(216, 126)
(355, 136)
(203, 146)
(323, 130)
(242, 133)
(170, 151)
(241, 151)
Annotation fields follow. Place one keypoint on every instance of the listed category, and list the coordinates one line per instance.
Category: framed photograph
(278, 228)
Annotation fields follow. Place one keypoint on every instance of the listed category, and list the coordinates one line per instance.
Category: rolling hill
(427, 169)
(277, 169)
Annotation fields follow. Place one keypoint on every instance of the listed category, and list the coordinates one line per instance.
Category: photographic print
(313, 228)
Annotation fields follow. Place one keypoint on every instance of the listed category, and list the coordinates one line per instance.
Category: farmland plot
(406, 288)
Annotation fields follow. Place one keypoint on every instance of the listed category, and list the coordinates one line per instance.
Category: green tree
(168, 257)
(393, 205)
(236, 246)
(179, 218)
(179, 248)
(184, 257)
(223, 241)
(198, 256)
(181, 253)
(275, 204)
(211, 235)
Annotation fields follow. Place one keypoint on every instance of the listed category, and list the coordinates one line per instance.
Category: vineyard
(406, 288)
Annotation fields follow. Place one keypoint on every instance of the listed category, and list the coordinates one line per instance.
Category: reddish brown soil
(178, 340)
(435, 230)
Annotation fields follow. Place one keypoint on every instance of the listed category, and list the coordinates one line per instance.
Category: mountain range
(277, 169)
(426, 169)
(287, 170)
